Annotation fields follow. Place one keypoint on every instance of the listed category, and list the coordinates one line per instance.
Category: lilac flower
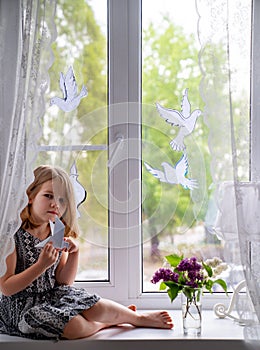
(192, 284)
(189, 265)
(186, 275)
(164, 274)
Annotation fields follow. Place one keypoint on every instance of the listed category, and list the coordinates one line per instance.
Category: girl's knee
(76, 328)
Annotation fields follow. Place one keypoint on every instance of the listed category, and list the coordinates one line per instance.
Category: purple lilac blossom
(192, 284)
(164, 275)
(189, 265)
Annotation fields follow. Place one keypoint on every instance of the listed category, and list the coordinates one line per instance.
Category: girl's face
(49, 202)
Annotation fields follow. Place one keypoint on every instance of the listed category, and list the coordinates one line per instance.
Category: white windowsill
(217, 333)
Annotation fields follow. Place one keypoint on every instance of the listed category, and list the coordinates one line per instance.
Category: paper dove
(174, 174)
(68, 86)
(57, 235)
(185, 120)
(79, 190)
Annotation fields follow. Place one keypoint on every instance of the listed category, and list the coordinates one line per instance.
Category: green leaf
(222, 283)
(208, 269)
(163, 286)
(171, 284)
(209, 285)
(173, 292)
(198, 295)
(188, 292)
(173, 259)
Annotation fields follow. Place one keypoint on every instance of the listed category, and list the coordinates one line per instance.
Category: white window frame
(255, 86)
(124, 97)
(125, 285)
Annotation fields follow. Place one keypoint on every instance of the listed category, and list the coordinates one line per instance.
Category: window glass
(175, 218)
(79, 137)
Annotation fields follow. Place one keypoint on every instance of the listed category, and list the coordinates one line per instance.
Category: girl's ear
(30, 201)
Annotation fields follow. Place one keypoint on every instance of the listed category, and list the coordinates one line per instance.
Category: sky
(183, 12)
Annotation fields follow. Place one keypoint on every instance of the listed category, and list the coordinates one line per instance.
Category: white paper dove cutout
(71, 98)
(57, 235)
(174, 174)
(184, 119)
(79, 190)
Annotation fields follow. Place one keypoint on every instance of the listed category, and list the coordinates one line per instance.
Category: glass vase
(191, 314)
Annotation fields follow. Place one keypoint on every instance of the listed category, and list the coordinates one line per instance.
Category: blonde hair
(43, 174)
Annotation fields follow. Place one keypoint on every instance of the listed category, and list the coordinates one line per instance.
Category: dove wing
(156, 173)
(45, 241)
(171, 116)
(58, 233)
(70, 84)
(185, 104)
(181, 171)
(57, 236)
(62, 85)
(181, 167)
(42, 243)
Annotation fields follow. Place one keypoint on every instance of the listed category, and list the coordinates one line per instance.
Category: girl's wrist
(74, 252)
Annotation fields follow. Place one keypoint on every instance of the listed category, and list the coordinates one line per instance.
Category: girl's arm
(12, 283)
(68, 265)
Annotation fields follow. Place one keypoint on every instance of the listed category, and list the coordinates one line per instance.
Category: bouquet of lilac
(189, 276)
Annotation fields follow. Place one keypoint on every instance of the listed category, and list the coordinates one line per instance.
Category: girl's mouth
(53, 212)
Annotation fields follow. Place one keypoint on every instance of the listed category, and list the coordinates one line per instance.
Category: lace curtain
(224, 31)
(26, 33)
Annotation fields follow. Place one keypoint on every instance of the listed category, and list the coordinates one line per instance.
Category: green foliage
(208, 269)
(173, 259)
(170, 64)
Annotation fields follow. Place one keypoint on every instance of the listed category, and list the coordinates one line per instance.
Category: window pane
(174, 218)
(80, 135)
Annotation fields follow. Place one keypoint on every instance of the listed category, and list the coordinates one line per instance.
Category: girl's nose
(55, 204)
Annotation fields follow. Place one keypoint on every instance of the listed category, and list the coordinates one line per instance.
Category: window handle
(116, 147)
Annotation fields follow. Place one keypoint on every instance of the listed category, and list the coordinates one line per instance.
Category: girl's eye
(50, 196)
(62, 201)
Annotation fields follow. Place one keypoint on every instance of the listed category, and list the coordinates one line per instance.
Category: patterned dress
(42, 310)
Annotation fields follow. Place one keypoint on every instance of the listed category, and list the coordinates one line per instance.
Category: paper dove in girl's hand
(185, 120)
(68, 86)
(57, 235)
(174, 175)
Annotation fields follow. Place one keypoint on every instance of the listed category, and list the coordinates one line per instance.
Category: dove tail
(190, 184)
(84, 91)
(177, 145)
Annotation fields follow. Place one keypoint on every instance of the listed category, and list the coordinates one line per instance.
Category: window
(175, 218)
(77, 140)
(124, 83)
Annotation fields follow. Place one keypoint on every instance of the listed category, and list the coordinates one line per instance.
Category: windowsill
(216, 334)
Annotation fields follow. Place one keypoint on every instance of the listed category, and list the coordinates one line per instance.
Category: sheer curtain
(26, 34)
(224, 31)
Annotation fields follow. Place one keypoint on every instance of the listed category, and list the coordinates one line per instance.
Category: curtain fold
(224, 31)
(29, 31)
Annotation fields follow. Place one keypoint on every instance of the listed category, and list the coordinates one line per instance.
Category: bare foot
(156, 319)
(132, 307)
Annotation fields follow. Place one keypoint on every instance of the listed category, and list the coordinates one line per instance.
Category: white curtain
(224, 31)
(26, 32)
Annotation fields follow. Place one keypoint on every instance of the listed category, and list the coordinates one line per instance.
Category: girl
(38, 298)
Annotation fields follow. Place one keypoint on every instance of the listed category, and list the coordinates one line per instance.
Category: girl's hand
(48, 256)
(73, 246)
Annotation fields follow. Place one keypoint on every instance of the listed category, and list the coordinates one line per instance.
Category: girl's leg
(111, 313)
(79, 327)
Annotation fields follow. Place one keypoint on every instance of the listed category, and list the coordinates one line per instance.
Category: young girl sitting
(38, 300)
